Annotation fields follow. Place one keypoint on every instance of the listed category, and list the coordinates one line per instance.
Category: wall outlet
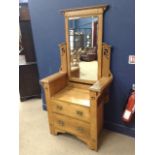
(131, 59)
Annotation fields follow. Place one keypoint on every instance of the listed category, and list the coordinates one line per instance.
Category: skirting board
(44, 106)
(119, 128)
(114, 127)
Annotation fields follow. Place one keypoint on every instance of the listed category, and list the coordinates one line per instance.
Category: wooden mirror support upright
(76, 106)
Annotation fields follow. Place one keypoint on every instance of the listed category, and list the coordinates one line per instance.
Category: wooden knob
(60, 122)
(80, 113)
(59, 107)
(80, 129)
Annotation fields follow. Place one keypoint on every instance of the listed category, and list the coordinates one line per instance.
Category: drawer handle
(80, 129)
(59, 107)
(80, 113)
(60, 122)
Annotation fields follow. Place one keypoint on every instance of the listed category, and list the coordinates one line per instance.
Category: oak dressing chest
(75, 96)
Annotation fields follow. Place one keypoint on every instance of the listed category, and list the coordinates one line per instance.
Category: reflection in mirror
(83, 47)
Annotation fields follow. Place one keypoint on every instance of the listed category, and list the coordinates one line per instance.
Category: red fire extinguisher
(130, 107)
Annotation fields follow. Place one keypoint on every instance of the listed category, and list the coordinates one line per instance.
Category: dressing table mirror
(83, 47)
(75, 95)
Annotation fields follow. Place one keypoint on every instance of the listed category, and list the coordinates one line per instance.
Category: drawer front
(72, 110)
(71, 125)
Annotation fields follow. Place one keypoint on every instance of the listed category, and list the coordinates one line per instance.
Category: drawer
(71, 125)
(72, 110)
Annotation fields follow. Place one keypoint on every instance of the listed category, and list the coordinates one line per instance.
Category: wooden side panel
(52, 84)
(63, 57)
(100, 110)
(58, 84)
(50, 115)
(106, 96)
(106, 50)
(79, 85)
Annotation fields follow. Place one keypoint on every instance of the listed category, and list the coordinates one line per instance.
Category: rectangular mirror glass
(83, 34)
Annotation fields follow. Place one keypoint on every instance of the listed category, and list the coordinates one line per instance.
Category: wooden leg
(52, 130)
(93, 145)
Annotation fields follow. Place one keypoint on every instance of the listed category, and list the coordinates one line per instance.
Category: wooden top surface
(74, 95)
(87, 7)
(101, 84)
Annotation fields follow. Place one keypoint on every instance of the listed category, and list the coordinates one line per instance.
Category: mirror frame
(96, 11)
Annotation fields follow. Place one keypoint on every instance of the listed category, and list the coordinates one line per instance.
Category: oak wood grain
(101, 84)
(73, 110)
(76, 106)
